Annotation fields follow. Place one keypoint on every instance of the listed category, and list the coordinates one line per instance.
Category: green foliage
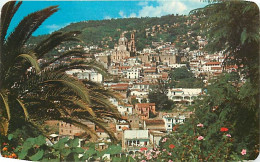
(161, 100)
(180, 73)
(134, 101)
(183, 78)
(37, 149)
(100, 32)
(233, 26)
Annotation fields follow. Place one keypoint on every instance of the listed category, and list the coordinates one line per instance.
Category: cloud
(54, 27)
(121, 13)
(133, 15)
(143, 3)
(163, 7)
(107, 17)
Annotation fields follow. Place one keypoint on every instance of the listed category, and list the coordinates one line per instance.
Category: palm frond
(24, 109)
(24, 31)
(75, 85)
(53, 41)
(5, 101)
(7, 13)
(66, 54)
(3, 126)
(79, 124)
(101, 124)
(32, 60)
(86, 107)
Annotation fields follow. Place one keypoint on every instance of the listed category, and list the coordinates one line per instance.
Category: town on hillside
(155, 86)
(88, 85)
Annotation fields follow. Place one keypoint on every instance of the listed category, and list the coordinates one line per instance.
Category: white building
(125, 110)
(177, 65)
(133, 73)
(142, 86)
(139, 93)
(186, 95)
(133, 140)
(171, 120)
(91, 75)
(86, 74)
(211, 66)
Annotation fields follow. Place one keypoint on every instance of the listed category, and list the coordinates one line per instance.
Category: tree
(180, 73)
(28, 88)
(222, 119)
(225, 123)
(161, 100)
(233, 27)
(183, 78)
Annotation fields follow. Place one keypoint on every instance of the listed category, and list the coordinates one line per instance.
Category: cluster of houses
(137, 73)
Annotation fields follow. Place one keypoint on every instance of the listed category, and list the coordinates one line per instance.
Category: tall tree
(232, 27)
(31, 93)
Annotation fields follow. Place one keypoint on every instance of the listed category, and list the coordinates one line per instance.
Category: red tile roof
(154, 122)
(213, 63)
(145, 104)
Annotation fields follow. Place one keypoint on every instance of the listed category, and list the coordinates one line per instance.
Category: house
(155, 137)
(142, 86)
(133, 73)
(69, 130)
(210, 66)
(120, 127)
(186, 95)
(135, 122)
(91, 75)
(125, 109)
(154, 124)
(86, 74)
(134, 140)
(172, 119)
(143, 109)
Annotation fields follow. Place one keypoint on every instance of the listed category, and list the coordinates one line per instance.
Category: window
(61, 130)
(119, 127)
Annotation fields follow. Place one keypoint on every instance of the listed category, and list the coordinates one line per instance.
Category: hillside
(105, 33)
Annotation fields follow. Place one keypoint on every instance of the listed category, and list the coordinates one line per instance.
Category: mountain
(105, 33)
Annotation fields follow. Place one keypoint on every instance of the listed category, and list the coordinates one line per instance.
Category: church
(124, 48)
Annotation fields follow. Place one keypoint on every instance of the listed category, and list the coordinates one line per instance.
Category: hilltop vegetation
(105, 33)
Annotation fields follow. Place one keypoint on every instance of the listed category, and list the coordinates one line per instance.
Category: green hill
(105, 33)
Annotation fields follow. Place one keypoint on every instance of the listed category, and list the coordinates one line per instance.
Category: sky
(75, 11)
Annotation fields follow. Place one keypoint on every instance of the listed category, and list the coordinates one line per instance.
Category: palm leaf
(7, 108)
(80, 125)
(31, 60)
(23, 32)
(24, 109)
(7, 13)
(73, 84)
(53, 41)
(85, 106)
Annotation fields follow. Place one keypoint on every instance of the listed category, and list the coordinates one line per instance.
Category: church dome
(123, 39)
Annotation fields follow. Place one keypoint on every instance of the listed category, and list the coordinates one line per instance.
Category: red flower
(14, 155)
(171, 146)
(143, 149)
(5, 149)
(223, 129)
(4, 144)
